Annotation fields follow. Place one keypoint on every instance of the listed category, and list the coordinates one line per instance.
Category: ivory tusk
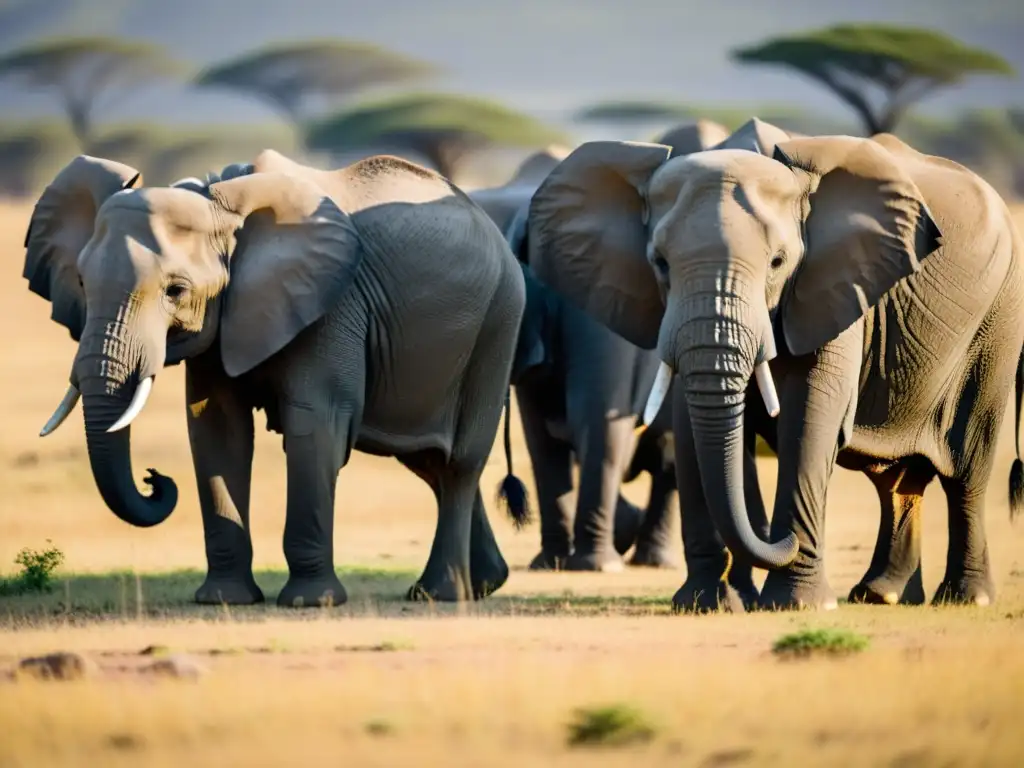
(766, 384)
(135, 407)
(67, 405)
(661, 384)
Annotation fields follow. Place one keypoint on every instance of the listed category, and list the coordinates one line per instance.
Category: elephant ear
(62, 223)
(588, 233)
(295, 255)
(867, 227)
(693, 137)
(755, 135)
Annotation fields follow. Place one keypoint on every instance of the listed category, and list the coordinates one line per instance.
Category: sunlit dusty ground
(493, 684)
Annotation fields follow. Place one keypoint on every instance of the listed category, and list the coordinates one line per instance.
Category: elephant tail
(512, 492)
(1017, 471)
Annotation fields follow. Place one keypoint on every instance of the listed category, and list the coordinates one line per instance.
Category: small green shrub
(36, 573)
(830, 642)
(379, 728)
(613, 725)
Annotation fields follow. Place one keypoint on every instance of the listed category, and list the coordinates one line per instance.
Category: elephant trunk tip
(1016, 489)
(512, 495)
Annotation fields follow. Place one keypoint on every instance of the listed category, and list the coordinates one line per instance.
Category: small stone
(177, 666)
(57, 666)
(155, 650)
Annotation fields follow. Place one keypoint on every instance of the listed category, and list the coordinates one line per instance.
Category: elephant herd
(850, 301)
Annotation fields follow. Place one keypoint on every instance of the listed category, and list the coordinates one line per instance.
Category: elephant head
(148, 277)
(693, 137)
(713, 256)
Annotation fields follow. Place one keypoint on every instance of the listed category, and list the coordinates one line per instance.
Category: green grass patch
(819, 642)
(36, 574)
(613, 725)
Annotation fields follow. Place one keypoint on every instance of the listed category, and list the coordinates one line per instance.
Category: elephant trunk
(107, 365)
(715, 338)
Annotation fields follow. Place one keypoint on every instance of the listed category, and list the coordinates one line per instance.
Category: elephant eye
(661, 265)
(777, 261)
(175, 291)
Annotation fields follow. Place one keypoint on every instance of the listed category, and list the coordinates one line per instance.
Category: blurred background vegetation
(329, 100)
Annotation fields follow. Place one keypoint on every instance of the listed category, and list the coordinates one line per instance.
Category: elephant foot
(783, 591)
(648, 555)
(488, 573)
(607, 561)
(889, 590)
(229, 589)
(628, 519)
(312, 592)
(447, 586)
(743, 585)
(705, 593)
(548, 561)
(977, 590)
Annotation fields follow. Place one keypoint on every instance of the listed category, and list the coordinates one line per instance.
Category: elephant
(580, 388)
(872, 296)
(688, 138)
(373, 308)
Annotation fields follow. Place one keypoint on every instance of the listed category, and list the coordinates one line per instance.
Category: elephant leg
(707, 560)
(818, 393)
(626, 524)
(447, 576)
(220, 432)
(488, 570)
(604, 451)
(654, 545)
(968, 577)
(316, 447)
(894, 575)
(552, 475)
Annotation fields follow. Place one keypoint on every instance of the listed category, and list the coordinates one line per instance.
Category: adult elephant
(580, 388)
(373, 308)
(880, 287)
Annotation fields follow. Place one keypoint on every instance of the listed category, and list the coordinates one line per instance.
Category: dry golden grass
(490, 684)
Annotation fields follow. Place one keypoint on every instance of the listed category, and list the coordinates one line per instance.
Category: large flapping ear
(62, 223)
(867, 228)
(588, 233)
(756, 135)
(693, 137)
(295, 255)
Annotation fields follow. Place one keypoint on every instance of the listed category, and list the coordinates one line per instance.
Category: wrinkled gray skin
(373, 308)
(579, 388)
(881, 290)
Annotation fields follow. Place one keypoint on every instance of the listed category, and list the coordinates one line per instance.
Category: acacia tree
(290, 77)
(443, 128)
(879, 70)
(86, 72)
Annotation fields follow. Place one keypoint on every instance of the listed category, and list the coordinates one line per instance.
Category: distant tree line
(325, 92)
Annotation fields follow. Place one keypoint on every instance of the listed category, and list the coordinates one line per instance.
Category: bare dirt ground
(382, 682)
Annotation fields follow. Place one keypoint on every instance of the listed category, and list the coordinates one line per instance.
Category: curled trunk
(109, 362)
(111, 461)
(717, 341)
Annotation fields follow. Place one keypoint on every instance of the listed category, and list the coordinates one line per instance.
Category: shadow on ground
(120, 596)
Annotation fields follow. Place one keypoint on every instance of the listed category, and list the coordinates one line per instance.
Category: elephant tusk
(135, 406)
(766, 384)
(661, 384)
(67, 405)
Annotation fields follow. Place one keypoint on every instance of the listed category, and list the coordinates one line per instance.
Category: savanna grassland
(385, 683)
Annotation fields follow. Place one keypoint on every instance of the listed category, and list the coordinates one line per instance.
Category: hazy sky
(545, 56)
